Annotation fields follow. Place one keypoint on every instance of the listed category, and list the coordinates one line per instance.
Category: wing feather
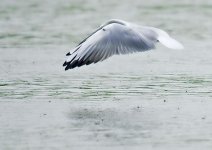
(111, 39)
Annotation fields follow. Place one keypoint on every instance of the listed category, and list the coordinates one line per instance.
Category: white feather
(166, 40)
(117, 37)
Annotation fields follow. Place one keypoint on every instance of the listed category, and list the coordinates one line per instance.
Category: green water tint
(101, 87)
(76, 8)
(179, 6)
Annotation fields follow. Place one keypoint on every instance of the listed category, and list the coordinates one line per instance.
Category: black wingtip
(65, 63)
(66, 68)
(68, 54)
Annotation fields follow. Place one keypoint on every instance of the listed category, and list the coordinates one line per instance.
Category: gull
(117, 37)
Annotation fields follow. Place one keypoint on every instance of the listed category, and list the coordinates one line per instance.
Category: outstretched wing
(111, 39)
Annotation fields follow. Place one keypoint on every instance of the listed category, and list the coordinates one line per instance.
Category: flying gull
(117, 37)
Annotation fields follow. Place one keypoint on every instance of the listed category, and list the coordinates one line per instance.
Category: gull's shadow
(113, 124)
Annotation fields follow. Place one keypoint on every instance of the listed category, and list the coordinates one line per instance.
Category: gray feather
(112, 38)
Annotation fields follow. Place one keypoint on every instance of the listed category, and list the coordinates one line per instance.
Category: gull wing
(113, 38)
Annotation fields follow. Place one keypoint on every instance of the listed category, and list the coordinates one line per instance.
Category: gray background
(160, 99)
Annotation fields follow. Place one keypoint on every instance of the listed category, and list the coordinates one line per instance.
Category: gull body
(117, 37)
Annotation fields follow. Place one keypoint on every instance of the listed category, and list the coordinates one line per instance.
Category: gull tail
(170, 42)
(166, 40)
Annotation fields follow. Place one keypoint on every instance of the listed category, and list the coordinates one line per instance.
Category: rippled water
(159, 99)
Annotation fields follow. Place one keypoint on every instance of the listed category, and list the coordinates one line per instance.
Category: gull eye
(104, 29)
